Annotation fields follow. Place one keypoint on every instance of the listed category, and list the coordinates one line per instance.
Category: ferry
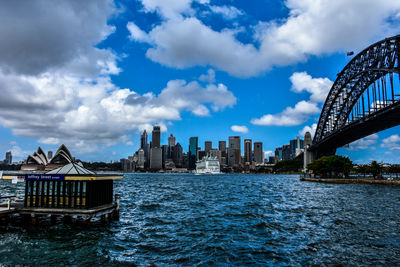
(208, 165)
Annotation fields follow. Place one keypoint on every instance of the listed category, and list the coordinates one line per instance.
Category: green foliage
(293, 165)
(102, 166)
(376, 169)
(4, 167)
(331, 166)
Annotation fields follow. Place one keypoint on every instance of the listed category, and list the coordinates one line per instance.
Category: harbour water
(183, 219)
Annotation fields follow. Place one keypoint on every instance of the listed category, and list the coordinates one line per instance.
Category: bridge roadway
(378, 121)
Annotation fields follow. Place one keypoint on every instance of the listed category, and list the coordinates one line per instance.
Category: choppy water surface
(222, 220)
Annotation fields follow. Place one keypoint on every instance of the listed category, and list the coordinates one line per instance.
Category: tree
(375, 169)
(331, 166)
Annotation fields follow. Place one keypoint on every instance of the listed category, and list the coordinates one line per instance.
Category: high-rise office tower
(234, 143)
(247, 151)
(296, 146)
(156, 158)
(156, 137)
(258, 152)
(207, 146)
(222, 146)
(171, 140)
(143, 140)
(155, 151)
(49, 154)
(193, 145)
(222, 149)
(8, 159)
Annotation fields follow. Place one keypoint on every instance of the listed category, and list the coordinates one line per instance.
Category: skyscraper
(155, 151)
(8, 159)
(247, 151)
(143, 140)
(222, 146)
(296, 146)
(258, 152)
(171, 141)
(156, 137)
(193, 144)
(222, 149)
(234, 145)
(207, 146)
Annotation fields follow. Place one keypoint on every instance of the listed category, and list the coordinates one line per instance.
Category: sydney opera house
(38, 161)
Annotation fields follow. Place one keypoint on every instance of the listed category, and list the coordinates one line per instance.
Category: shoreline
(351, 181)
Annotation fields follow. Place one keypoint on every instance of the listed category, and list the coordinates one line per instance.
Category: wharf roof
(72, 169)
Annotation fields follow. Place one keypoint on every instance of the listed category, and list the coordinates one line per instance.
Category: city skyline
(257, 71)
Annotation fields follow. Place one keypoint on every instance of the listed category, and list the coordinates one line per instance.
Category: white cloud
(209, 77)
(268, 154)
(239, 129)
(312, 28)
(228, 12)
(317, 87)
(392, 142)
(364, 143)
(136, 33)
(171, 9)
(49, 141)
(309, 129)
(68, 96)
(290, 116)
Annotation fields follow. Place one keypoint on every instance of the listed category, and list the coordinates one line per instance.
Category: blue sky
(95, 74)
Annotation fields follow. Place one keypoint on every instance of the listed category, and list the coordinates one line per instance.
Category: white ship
(208, 165)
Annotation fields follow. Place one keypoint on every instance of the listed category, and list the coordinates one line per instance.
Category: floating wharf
(78, 196)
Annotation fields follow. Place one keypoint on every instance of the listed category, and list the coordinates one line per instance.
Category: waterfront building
(156, 137)
(192, 155)
(171, 140)
(38, 161)
(258, 153)
(207, 147)
(247, 152)
(165, 150)
(296, 147)
(156, 158)
(278, 153)
(177, 155)
(127, 165)
(231, 157)
(49, 154)
(201, 154)
(141, 159)
(235, 147)
(222, 149)
(145, 146)
(286, 155)
(8, 160)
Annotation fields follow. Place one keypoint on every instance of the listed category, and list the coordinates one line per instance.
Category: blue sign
(44, 177)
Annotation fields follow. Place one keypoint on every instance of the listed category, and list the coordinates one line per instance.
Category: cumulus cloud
(228, 12)
(44, 35)
(67, 95)
(290, 116)
(184, 41)
(309, 129)
(364, 143)
(392, 142)
(239, 129)
(301, 81)
(209, 77)
(317, 87)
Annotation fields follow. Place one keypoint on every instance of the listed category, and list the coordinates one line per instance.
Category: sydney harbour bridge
(364, 99)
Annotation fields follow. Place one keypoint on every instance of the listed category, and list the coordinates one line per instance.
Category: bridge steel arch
(364, 99)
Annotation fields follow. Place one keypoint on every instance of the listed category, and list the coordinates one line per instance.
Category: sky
(94, 74)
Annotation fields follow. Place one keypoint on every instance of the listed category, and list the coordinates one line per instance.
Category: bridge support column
(308, 155)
